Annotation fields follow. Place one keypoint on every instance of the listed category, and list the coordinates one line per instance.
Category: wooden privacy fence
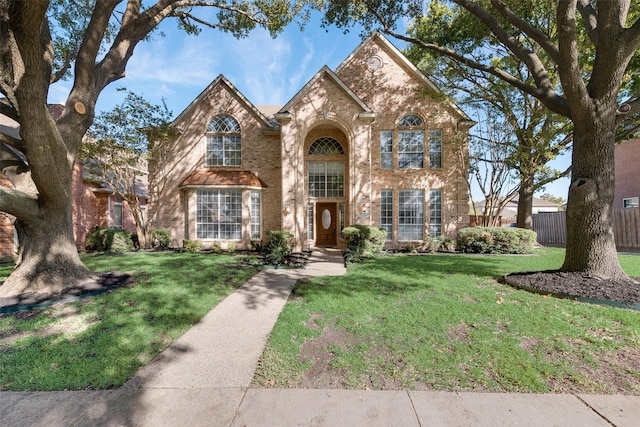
(551, 227)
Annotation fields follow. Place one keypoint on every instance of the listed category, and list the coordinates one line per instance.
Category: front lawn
(444, 322)
(100, 342)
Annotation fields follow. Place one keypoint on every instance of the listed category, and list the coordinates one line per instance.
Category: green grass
(101, 341)
(444, 322)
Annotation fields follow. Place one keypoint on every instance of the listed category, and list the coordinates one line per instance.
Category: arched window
(410, 142)
(326, 178)
(410, 120)
(224, 146)
(326, 145)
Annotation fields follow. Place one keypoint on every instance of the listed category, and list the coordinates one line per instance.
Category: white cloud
(59, 92)
(186, 61)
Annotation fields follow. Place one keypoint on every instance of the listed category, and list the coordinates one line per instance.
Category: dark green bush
(278, 247)
(109, 240)
(161, 237)
(496, 240)
(363, 241)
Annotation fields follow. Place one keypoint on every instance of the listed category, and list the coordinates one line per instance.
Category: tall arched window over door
(326, 178)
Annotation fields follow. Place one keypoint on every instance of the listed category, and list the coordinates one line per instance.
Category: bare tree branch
(541, 38)
(590, 18)
(17, 203)
(16, 143)
(550, 98)
(529, 58)
(568, 67)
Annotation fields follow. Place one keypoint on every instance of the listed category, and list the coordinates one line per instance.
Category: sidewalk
(203, 380)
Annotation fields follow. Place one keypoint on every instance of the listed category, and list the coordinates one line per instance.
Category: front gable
(385, 79)
(221, 95)
(324, 97)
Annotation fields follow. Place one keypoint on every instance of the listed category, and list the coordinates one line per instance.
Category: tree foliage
(540, 135)
(89, 42)
(489, 169)
(553, 199)
(118, 150)
(590, 47)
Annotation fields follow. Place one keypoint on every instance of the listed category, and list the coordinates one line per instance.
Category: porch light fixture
(362, 208)
(286, 211)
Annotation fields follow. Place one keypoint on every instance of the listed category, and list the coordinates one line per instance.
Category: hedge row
(496, 240)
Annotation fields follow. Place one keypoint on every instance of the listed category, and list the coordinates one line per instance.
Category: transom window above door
(326, 179)
(326, 145)
(224, 144)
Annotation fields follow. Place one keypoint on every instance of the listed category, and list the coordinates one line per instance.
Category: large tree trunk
(591, 246)
(48, 259)
(525, 204)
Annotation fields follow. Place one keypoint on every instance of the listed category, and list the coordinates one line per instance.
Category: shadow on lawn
(74, 345)
(385, 275)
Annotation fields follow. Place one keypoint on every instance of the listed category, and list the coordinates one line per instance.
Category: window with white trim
(326, 179)
(326, 145)
(386, 149)
(386, 212)
(410, 142)
(256, 217)
(631, 202)
(117, 212)
(219, 214)
(341, 212)
(435, 213)
(224, 144)
(410, 215)
(310, 218)
(435, 148)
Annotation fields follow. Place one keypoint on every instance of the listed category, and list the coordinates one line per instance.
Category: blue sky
(268, 71)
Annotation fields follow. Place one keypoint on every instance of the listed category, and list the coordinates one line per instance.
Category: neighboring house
(94, 203)
(627, 156)
(509, 213)
(372, 142)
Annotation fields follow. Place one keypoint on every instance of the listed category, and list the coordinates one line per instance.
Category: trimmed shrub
(496, 240)
(192, 245)
(161, 237)
(109, 240)
(363, 241)
(278, 247)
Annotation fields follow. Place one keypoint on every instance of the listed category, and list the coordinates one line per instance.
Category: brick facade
(371, 91)
(627, 156)
(91, 206)
(92, 203)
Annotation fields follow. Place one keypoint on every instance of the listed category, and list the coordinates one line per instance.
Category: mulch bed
(573, 284)
(27, 301)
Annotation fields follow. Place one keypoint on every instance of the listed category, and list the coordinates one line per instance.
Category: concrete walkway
(203, 380)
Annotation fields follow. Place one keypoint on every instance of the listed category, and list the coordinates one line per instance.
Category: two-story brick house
(372, 142)
(627, 157)
(95, 204)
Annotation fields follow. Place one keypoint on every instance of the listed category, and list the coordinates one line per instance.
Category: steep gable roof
(221, 79)
(399, 57)
(326, 71)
